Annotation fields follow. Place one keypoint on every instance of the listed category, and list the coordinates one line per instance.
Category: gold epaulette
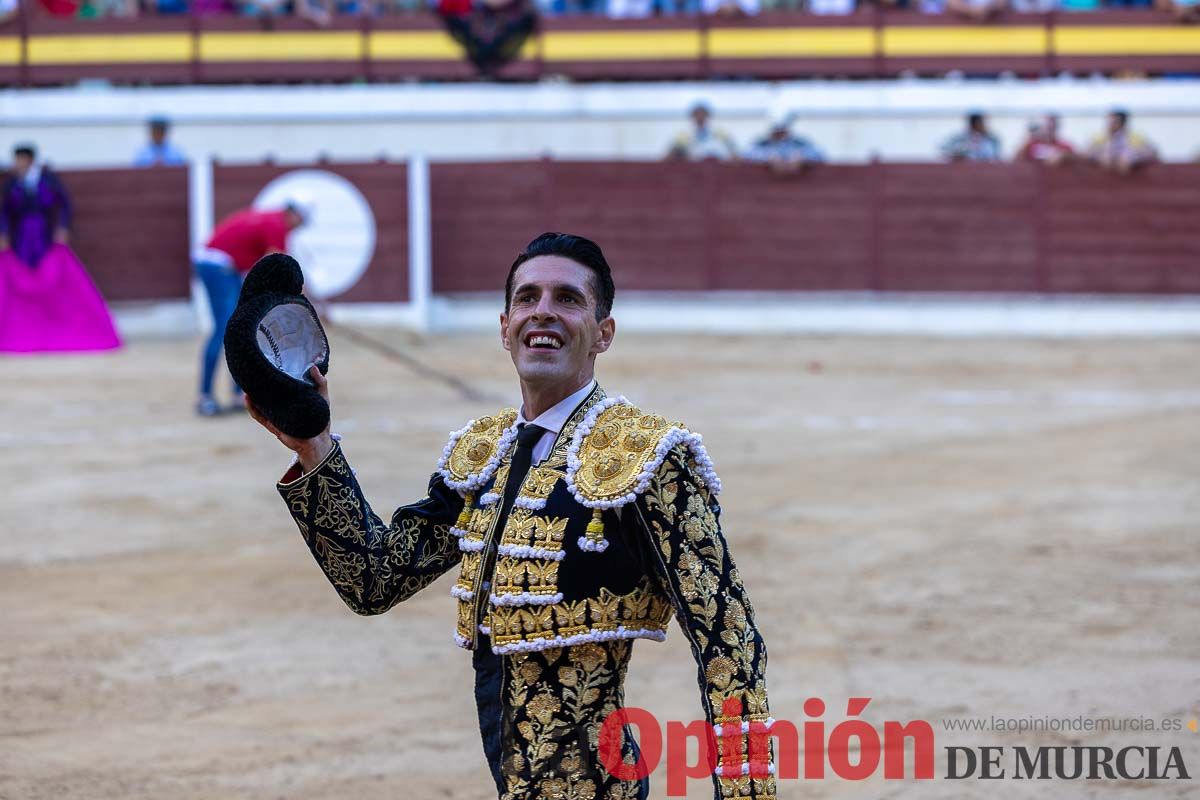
(471, 456)
(618, 448)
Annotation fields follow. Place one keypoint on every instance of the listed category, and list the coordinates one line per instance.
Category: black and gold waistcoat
(608, 537)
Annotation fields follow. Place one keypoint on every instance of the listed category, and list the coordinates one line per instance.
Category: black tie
(527, 437)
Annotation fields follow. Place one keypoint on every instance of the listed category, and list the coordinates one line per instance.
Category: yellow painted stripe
(1089, 40)
(1024, 40)
(425, 45)
(135, 48)
(790, 42)
(620, 45)
(282, 46)
(10, 51)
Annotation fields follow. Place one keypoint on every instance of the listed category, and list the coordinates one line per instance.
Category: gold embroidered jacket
(613, 532)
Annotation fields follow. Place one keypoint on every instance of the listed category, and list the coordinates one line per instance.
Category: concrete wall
(851, 121)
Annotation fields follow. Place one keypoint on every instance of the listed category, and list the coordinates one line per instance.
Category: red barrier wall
(883, 227)
(131, 230)
(679, 227)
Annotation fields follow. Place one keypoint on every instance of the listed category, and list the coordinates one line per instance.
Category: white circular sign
(336, 244)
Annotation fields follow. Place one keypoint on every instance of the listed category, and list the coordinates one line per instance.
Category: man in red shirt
(238, 242)
(1044, 145)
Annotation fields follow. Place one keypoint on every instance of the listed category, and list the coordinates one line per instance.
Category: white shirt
(553, 419)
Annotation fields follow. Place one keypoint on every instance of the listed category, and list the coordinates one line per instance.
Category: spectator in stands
(158, 152)
(630, 9)
(702, 142)
(831, 8)
(1044, 145)
(782, 151)
(94, 9)
(731, 8)
(976, 143)
(1186, 11)
(60, 8)
(319, 12)
(238, 242)
(1118, 148)
(977, 10)
(200, 8)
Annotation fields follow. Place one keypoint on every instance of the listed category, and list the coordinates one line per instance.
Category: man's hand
(62, 236)
(3, 242)
(311, 451)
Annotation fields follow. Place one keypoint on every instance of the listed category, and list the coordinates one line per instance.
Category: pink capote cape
(54, 307)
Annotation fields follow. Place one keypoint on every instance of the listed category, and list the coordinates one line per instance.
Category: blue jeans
(223, 284)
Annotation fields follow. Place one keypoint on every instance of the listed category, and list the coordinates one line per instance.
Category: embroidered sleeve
(372, 565)
(682, 518)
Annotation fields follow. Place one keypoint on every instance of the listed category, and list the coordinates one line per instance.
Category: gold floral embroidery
(337, 508)
(681, 515)
(555, 703)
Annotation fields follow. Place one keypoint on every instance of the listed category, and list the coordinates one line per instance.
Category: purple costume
(30, 217)
(47, 301)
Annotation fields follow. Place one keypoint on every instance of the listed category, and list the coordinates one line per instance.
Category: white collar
(553, 418)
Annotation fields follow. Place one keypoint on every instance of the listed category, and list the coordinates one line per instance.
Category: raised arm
(372, 565)
(682, 519)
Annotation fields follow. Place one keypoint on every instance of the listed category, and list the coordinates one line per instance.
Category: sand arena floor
(954, 529)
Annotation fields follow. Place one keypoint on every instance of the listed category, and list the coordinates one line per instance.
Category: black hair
(1121, 114)
(582, 251)
(975, 118)
(25, 150)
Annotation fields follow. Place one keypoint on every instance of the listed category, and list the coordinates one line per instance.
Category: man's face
(21, 164)
(1115, 123)
(158, 134)
(1050, 128)
(700, 118)
(550, 328)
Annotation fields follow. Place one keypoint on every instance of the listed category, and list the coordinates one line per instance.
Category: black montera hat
(272, 339)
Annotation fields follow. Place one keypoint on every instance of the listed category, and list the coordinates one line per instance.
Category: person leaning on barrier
(976, 143)
(1044, 144)
(702, 142)
(1119, 149)
(578, 523)
(782, 151)
(158, 151)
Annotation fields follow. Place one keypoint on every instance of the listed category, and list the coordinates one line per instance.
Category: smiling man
(578, 523)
